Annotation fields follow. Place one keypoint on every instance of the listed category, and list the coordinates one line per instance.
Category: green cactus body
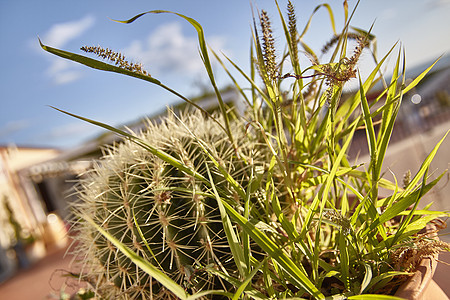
(166, 216)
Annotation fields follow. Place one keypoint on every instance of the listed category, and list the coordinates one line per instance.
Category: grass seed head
(268, 45)
(292, 24)
(116, 57)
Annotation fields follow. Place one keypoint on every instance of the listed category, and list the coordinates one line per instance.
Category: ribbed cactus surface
(166, 216)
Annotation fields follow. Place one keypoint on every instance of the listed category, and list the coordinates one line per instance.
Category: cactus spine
(163, 214)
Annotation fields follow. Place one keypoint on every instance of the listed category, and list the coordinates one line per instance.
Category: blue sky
(31, 80)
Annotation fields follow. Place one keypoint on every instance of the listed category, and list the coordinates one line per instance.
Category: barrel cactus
(166, 216)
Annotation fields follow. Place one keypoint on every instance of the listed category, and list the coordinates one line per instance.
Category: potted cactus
(266, 205)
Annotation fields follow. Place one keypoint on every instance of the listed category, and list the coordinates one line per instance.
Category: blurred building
(23, 211)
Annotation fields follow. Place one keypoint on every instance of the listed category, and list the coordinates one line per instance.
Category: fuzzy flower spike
(116, 57)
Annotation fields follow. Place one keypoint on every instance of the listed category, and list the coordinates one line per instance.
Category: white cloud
(66, 77)
(388, 14)
(60, 34)
(62, 71)
(13, 126)
(68, 131)
(166, 50)
(58, 66)
(438, 3)
(433, 5)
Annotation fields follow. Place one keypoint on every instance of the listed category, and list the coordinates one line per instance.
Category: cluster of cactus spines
(116, 57)
(166, 216)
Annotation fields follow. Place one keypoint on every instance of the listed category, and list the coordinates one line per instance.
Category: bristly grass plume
(116, 57)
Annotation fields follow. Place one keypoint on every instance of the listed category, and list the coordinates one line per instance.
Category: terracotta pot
(421, 285)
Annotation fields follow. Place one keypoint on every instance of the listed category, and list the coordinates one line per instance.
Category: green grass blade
(392, 89)
(204, 56)
(344, 261)
(406, 221)
(96, 64)
(369, 124)
(275, 252)
(247, 280)
(384, 183)
(404, 202)
(287, 226)
(389, 116)
(236, 186)
(426, 164)
(437, 213)
(268, 283)
(399, 206)
(411, 229)
(330, 13)
(419, 78)
(374, 156)
(203, 294)
(232, 238)
(144, 240)
(350, 105)
(384, 276)
(367, 277)
(254, 85)
(233, 79)
(142, 263)
(330, 178)
(99, 65)
(161, 154)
